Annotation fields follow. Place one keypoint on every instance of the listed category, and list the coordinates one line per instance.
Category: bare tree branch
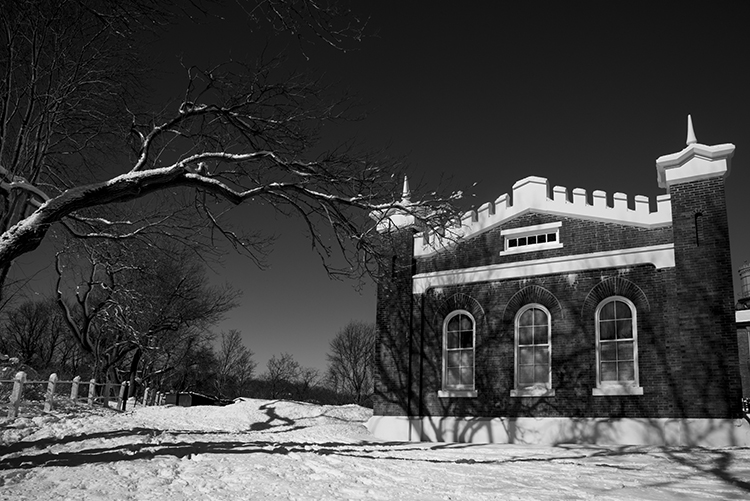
(242, 133)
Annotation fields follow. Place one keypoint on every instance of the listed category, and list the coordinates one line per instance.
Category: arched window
(617, 348)
(533, 352)
(459, 333)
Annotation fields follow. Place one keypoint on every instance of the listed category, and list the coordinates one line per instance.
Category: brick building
(543, 318)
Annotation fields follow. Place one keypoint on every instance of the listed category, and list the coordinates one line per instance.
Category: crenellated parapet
(533, 194)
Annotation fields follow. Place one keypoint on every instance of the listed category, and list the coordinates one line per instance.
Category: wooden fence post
(49, 400)
(92, 392)
(107, 391)
(17, 394)
(74, 388)
(146, 395)
(122, 399)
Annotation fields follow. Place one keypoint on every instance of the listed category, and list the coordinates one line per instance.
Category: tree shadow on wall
(673, 386)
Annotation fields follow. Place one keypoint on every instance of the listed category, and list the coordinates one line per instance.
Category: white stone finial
(406, 192)
(691, 139)
(695, 162)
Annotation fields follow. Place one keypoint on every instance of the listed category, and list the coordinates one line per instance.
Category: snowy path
(282, 450)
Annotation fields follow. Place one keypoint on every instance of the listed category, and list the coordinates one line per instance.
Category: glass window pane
(526, 356)
(623, 310)
(467, 376)
(541, 239)
(608, 352)
(541, 373)
(453, 376)
(454, 359)
(607, 312)
(609, 371)
(540, 334)
(531, 239)
(466, 323)
(467, 339)
(540, 317)
(606, 330)
(452, 340)
(625, 350)
(512, 242)
(627, 371)
(526, 318)
(453, 324)
(525, 335)
(551, 237)
(541, 355)
(522, 241)
(526, 375)
(624, 329)
(467, 358)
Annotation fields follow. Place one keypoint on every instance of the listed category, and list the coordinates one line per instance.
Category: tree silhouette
(75, 141)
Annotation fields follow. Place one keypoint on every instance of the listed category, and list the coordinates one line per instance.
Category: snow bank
(280, 450)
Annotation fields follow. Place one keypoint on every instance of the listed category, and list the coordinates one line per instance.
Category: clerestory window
(531, 238)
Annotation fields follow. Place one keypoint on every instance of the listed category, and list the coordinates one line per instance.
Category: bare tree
(308, 379)
(350, 360)
(240, 133)
(34, 332)
(235, 365)
(126, 307)
(188, 366)
(281, 375)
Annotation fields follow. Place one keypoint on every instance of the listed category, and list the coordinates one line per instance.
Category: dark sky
(585, 94)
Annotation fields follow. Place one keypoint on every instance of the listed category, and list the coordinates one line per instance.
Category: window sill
(531, 248)
(457, 393)
(617, 389)
(533, 392)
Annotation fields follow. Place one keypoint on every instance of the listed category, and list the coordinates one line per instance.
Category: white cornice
(661, 256)
(693, 163)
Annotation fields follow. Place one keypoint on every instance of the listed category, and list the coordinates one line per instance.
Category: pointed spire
(406, 193)
(690, 132)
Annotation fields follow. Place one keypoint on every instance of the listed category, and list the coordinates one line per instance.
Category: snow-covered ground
(262, 449)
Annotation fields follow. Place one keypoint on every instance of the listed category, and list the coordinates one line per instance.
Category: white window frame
(604, 388)
(539, 389)
(460, 391)
(531, 231)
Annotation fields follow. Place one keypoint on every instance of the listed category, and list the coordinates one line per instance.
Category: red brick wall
(744, 348)
(394, 360)
(704, 301)
(573, 350)
(688, 359)
(578, 236)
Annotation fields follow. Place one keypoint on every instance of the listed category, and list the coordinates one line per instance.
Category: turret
(702, 342)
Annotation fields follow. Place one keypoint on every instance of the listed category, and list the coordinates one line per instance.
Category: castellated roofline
(532, 194)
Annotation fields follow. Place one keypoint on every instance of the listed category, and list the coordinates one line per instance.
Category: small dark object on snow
(189, 399)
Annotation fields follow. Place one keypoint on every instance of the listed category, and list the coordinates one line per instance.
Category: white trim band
(661, 256)
(742, 317)
(537, 228)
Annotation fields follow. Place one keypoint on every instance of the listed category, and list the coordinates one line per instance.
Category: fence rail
(150, 397)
